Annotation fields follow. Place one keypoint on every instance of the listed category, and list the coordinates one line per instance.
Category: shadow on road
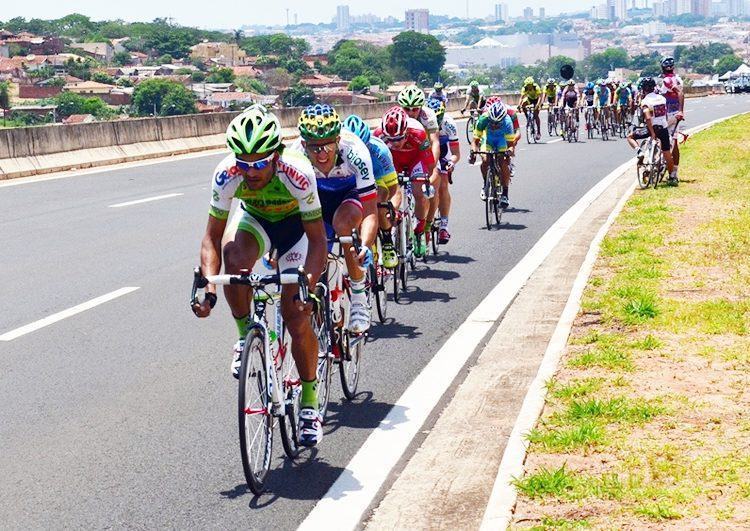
(362, 413)
(417, 294)
(437, 273)
(511, 226)
(394, 330)
(456, 259)
(514, 210)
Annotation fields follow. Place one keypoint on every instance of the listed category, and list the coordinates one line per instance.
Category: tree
(80, 69)
(599, 64)
(178, 102)
(149, 97)
(298, 96)
(4, 95)
(249, 84)
(359, 83)
(278, 78)
(71, 103)
(220, 75)
(121, 59)
(198, 77)
(415, 53)
(103, 77)
(726, 63)
(555, 63)
(165, 59)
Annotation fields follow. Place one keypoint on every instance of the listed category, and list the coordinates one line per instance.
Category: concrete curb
(499, 512)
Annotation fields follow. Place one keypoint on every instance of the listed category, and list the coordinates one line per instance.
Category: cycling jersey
(570, 97)
(657, 104)
(622, 95)
(448, 136)
(601, 96)
(513, 113)
(589, 97)
(495, 137)
(352, 171)
(533, 93)
(550, 91)
(415, 156)
(382, 163)
(474, 96)
(428, 119)
(442, 96)
(292, 190)
(672, 96)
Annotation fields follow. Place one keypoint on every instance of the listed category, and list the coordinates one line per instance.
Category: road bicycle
(652, 169)
(492, 186)
(603, 122)
(531, 131)
(470, 123)
(570, 124)
(553, 121)
(269, 384)
(380, 275)
(588, 118)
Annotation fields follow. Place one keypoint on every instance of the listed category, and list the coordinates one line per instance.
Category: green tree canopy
(4, 95)
(151, 96)
(298, 96)
(359, 83)
(415, 53)
(350, 58)
(220, 75)
(70, 103)
(249, 84)
(726, 63)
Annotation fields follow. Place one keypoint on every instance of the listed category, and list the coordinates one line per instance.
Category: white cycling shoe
(310, 426)
(359, 314)
(237, 358)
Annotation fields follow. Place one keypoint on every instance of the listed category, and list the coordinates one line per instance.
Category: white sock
(444, 222)
(358, 288)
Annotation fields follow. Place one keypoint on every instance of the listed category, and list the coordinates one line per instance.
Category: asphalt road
(124, 415)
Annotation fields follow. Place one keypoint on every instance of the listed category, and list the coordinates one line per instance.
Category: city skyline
(195, 14)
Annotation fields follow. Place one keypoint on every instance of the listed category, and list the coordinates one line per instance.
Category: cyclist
(550, 92)
(412, 100)
(410, 147)
(346, 185)
(654, 107)
(438, 94)
(475, 100)
(385, 178)
(601, 97)
(279, 208)
(448, 144)
(495, 131)
(623, 99)
(531, 94)
(672, 89)
(569, 100)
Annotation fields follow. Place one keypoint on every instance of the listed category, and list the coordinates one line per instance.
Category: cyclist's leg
(348, 217)
(245, 240)
(421, 204)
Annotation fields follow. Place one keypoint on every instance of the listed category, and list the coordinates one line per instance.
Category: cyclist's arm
(211, 247)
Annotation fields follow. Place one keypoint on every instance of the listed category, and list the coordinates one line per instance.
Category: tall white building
(343, 22)
(680, 7)
(501, 13)
(617, 9)
(418, 20)
(661, 9)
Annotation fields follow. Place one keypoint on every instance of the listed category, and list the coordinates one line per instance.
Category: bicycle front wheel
(470, 129)
(291, 387)
(378, 289)
(254, 411)
(321, 324)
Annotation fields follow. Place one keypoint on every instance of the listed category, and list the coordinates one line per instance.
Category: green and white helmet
(254, 131)
(412, 96)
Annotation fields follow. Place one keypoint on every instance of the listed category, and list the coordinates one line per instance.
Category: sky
(229, 14)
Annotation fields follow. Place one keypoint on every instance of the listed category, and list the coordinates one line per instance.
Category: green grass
(585, 434)
(546, 482)
(607, 357)
(575, 388)
(658, 511)
(619, 409)
(719, 316)
(561, 524)
(650, 342)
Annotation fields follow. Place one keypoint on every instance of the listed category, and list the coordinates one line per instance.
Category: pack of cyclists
(295, 198)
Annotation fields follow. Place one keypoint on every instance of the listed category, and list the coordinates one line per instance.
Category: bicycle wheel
(643, 176)
(291, 391)
(434, 236)
(350, 353)
(254, 412)
(377, 286)
(321, 323)
(488, 191)
(496, 206)
(470, 129)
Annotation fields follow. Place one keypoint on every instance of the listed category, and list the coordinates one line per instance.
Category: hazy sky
(235, 13)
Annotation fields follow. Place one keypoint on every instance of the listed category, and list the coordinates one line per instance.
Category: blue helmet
(590, 85)
(497, 112)
(437, 106)
(357, 125)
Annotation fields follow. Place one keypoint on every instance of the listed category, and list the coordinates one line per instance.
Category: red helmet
(491, 100)
(394, 123)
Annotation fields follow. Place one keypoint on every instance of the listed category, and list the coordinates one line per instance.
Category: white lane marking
(31, 327)
(147, 200)
(555, 141)
(353, 492)
(499, 511)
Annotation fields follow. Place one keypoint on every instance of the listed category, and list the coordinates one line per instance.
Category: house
(247, 71)
(102, 51)
(343, 97)
(79, 119)
(89, 88)
(138, 58)
(228, 99)
(224, 53)
(320, 81)
(171, 70)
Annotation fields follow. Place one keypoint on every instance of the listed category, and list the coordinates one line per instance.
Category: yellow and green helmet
(254, 131)
(319, 121)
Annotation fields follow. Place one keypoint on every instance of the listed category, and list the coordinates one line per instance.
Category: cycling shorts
(662, 134)
(287, 237)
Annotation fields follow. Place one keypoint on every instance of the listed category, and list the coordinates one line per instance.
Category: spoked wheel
(254, 411)
(488, 208)
(349, 368)
(434, 237)
(291, 391)
(605, 132)
(498, 210)
(643, 175)
(378, 289)
(321, 328)
(404, 276)
(470, 129)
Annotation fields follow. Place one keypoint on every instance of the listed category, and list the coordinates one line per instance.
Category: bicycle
(344, 346)
(269, 385)
(652, 170)
(379, 275)
(531, 131)
(571, 124)
(470, 123)
(404, 235)
(492, 187)
(553, 122)
(590, 123)
(604, 122)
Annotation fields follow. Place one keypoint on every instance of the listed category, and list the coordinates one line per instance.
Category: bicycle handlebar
(253, 280)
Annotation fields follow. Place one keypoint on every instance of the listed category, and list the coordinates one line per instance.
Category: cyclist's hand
(463, 111)
(202, 309)
(449, 167)
(512, 151)
(680, 116)
(472, 158)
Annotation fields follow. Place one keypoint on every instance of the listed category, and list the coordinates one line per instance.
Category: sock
(386, 236)
(427, 226)
(675, 168)
(358, 287)
(309, 394)
(241, 326)
(444, 222)
(505, 191)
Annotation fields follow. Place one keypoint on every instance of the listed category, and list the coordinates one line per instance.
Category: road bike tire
(321, 323)
(292, 392)
(349, 357)
(470, 129)
(404, 276)
(488, 202)
(497, 210)
(253, 401)
(643, 176)
(434, 236)
(379, 291)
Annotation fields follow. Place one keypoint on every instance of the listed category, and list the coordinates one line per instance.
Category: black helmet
(648, 84)
(667, 63)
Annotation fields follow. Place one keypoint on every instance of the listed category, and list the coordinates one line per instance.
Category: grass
(670, 304)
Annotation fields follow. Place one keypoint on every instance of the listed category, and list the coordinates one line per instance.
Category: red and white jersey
(417, 147)
(671, 87)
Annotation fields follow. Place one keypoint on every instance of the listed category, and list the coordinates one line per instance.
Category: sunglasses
(257, 165)
(394, 139)
(412, 109)
(317, 149)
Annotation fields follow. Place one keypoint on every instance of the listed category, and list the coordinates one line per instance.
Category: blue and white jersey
(382, 160)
